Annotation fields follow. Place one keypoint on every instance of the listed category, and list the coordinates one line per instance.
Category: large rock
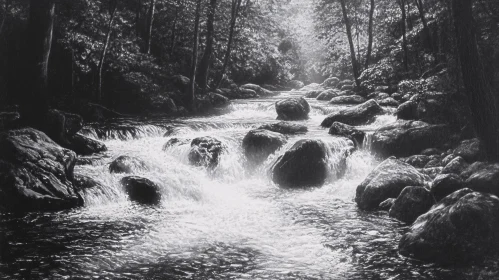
(259, 90)
(463, 226)
(303, 165)
(445, 184)
(205, 151)
(141, 190)
(127, 164)
(218, 100)
(470, 150)
(328, 95)
(405, 138)
(387, 180)
(418, 161)
(457, 166)
(357, 115)
(412, 202)
(292, 109)
(485, 180)
(473, 168)
(258, 144)
(350, 132)
(36, 174)
(285, 128)
(85, 146)
(331, 82)
(349, 99)
(388, 101)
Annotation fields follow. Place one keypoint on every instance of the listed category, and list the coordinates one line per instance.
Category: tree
(480, 96)
(113, 6)
(191, 97)
(150, 21)
(370, 34)
(404, 34)
(419, 5)
(204, 64)
(355, 66)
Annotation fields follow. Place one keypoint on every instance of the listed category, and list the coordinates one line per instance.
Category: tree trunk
(150, 21)
(355, 66)
(137, 17)
(370, 34)
(236, 5)
(404, 35)
(191, 97)
(112, 13)
(40, 29)
(174, 27)
(480, 96)
(419, 5)
(204, 64)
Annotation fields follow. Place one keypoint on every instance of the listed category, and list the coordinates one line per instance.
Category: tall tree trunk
(191, 97)
(137, 17)
(370, 34)
(426, 29)
(40, 29)
(480, 96)
(355, 66)
(236, 5)
(113, 4)
(174, 27)
(204, 64)
(404, 35)
(150, 21)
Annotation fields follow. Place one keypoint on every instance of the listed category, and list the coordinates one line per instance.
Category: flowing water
(228, 223)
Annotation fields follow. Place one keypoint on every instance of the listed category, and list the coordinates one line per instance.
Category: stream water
(230, 223)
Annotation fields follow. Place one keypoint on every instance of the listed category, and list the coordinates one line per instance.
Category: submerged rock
(461, 227)
(292, 109)
(36, 174)
(205, 151)
(258, 144)
(285, 128)
(141, 190)
(387, 180)
(411, 203)
(445, 184)
(303, 165)
(357, 115)
(127, 164)
(350, 132)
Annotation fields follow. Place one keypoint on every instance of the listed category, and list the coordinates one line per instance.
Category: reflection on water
(228, 223)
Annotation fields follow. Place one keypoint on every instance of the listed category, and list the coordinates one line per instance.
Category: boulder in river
(388, 101)
(387, 180)
(405, 138)
(205, 151)
(463, 226)
(473, 168)
(348, 131)
(303, 165)
(127, 164)
(445, 184)
(456, 166)
(348, 99)
(412, 202)
(285, 128)
(259, 90)
(292, 109)
(331, 82)
(469, 150)
(141, 190)
(85, 146)
(356, 115)
(418, 161)
(485, 180)
(387, 204)
(36, 174)
(175, 142)
(328, 94)
(258, 144)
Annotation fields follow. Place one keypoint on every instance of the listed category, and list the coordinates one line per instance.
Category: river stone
(431, 152)
(303, 165)
(405, 138)
(485, 180)
(127, 164)
(470, 150)
(457, 166)
(356, 115)
(292, 109)
(258, 144)
(85, 146)
(328, 94)
(258, 89)
(412, 202)
(331, 82)
(36, 174)
(463, 226)
(445, 184)
(387, 180)
(387, 204)
(205, 151)
(350, 132)
(344, 82)
(418, 161)
(218, 100)
(473, 168)
(285, 128)
(431, 172)
(141, 190)
(388, 101)
(349, 99)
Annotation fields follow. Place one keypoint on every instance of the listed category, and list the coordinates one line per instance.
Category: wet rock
(347, 87)
(246, 93)
(405, 138)
(352, 99)
(218, 100)
(431, 172)
(175, 142)
(445, 184)
(127, 164)
(328, 95)
(292, 109)
(447, 158)
(388, 101)
(303, 165)
(418, 161)
(85, 146)
(485, 180)
(378, 95)
(463, 226)
(141, 190)
(435, 161)
(473, 168)
(83, 182)
(344, 83)
(387, 180)
(331, 82)
(36, 174)
(285, 128)
(457, 166)
(259, 90)
(258, 144)
(205, 151)
(313, 93)
(356, 115)
(387, 204)
(470, 150)
(350, 132)
(431, 151)
(412, 202)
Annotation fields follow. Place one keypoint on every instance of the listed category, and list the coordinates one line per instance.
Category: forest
(249, 139)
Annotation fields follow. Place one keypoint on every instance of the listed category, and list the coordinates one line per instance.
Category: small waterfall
(125, 132)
